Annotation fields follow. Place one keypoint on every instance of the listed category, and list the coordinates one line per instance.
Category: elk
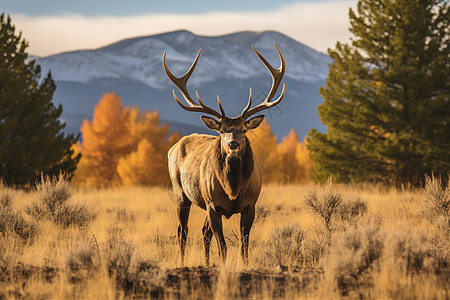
(220, 174)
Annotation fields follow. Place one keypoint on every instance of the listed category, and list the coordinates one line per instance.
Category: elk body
(220, 174)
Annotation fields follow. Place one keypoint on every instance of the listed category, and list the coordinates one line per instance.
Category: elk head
(232, 130)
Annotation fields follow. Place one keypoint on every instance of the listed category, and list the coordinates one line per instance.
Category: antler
(277, 76)
(181, 85)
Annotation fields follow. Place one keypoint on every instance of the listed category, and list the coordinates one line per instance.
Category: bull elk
(220, 174)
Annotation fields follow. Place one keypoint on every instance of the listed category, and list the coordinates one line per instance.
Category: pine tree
(31, 138)
(386, 100)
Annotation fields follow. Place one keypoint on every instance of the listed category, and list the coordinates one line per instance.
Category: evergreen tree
(31, 141)
(386, 100)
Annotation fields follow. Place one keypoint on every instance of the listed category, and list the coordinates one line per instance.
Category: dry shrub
(409, 252)
(316, 244)
(351, 210)
(54, 204)
(409, 267)
(285, 245)
(82, 261)
(437, 196)
(12, 221)
(261, 213)
(352, 256)
(324, 203)
(437, 212)
(438, 236)
(133, 275)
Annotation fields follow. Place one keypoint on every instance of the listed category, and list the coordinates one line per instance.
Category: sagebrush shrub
(351, 210)
(352, 256)
(438, 236)
(132, 274)
(437, 196)
(409, 252)
(82, 261)
(54, 203)
(285, 245)
(324, 203)
(12, 221)
(54, 192)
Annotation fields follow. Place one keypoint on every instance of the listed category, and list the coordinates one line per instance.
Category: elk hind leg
(183, 209)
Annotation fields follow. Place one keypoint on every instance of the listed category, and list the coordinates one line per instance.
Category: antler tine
(220, 106)
(277, 76)
(244, 112)
(181, 82)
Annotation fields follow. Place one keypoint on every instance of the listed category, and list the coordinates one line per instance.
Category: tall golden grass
(380, 243)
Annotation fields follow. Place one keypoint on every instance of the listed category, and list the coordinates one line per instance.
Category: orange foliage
(105, 140)
(264, 145)
(287, 150)
(286, 162)
(123, 146)
(125, 137)
(145, 166)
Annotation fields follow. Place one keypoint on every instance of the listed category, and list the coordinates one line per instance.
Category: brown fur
(233, 171)
(220, 175)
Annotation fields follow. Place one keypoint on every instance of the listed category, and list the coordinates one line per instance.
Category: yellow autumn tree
(264, 145)
(295, 164)
(145, 166)
(105, 140)
(287, 151)
(146, 125)
(305, 161)
(82, 171)
(147, 163)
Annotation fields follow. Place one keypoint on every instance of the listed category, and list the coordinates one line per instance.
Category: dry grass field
(307, 242)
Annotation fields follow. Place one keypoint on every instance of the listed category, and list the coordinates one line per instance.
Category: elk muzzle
(233, 146)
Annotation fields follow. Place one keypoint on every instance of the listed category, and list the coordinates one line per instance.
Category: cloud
(318, 25)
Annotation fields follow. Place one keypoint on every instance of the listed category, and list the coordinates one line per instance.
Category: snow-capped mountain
(227, 66)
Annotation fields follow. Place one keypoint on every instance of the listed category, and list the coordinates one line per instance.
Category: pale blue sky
(53, 26)
(138, 7)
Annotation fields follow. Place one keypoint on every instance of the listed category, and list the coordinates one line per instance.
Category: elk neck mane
(233, 171)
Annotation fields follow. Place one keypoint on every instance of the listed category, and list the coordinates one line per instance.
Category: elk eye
(244, 130)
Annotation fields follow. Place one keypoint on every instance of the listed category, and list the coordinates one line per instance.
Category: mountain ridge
(227, 66)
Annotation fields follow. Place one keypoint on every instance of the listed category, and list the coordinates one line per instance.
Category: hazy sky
(53, 26)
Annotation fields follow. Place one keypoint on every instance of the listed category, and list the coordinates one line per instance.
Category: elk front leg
(215, 223)
(207, 235)
(183, 209)
(247, 218)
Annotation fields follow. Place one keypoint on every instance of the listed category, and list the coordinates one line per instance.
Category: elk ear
(254, 122)
(211, 123)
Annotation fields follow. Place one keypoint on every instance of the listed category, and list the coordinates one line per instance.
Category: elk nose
(233, 145)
